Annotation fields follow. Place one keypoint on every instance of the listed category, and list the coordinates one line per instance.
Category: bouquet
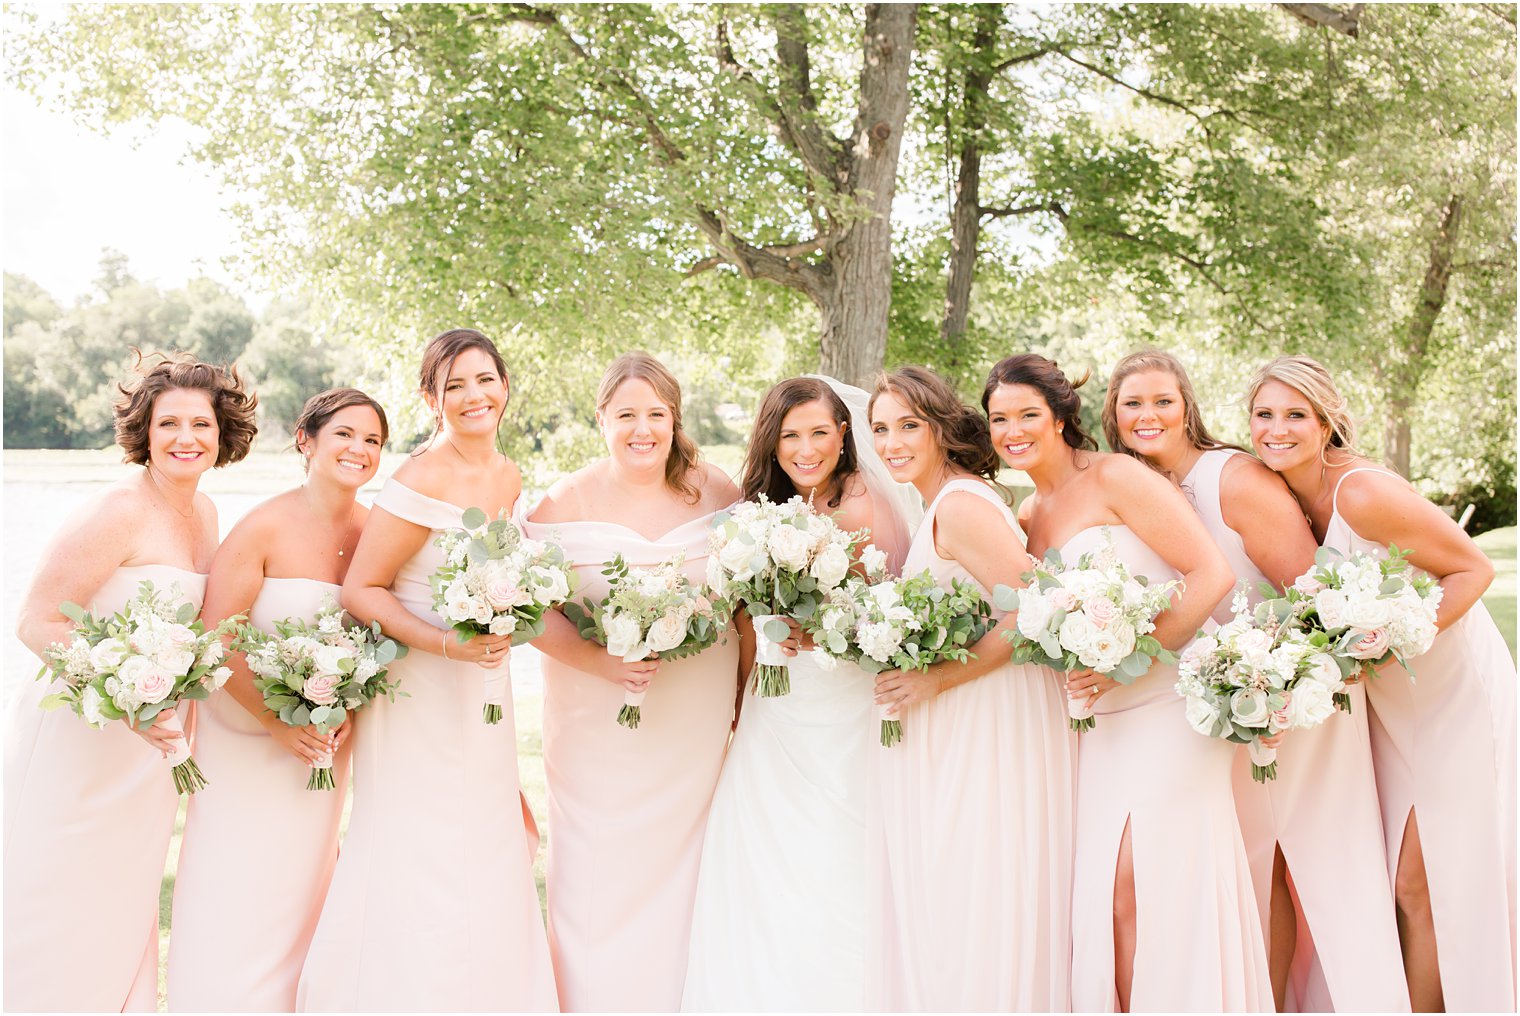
(1366, 609)
(781, 560)
(138, 663)
(647, 612)
(898, 624)
(1255, 677)
(1093, 615)
(315, 674)
(496, 581)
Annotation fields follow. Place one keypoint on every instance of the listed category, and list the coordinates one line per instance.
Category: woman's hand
(1274, 741)
(1087, 686)
(306, 743)
(799, 641)
(488, 651)
(633, 677)
(155, 733)
(898, 688)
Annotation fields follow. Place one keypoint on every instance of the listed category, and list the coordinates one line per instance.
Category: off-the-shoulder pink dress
(1443, 749)
(241, 928)
(1322, 810)
(1198, 938)
(432, 905)
(627, 808)
(88, 817)
(976, 833)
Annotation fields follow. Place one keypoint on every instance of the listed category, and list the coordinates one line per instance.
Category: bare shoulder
(857, 508)
(565, 500)
(718, 488)
(964, 511)
(267, 520)
(423, 473)
(1111, 468)
(113, 517)
(1244, 479)
(1373, 492)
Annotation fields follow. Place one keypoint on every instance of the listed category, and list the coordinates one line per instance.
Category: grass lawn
(1499, 545)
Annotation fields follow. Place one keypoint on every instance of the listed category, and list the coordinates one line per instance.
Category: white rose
(790, 547)
(1322, 668)
(1331, 604)
(1035, 612)
(714, 574)
(1077, 633)
(322, 688)
(131, 670)
(831, 567)
(879, 641)
(1249, 708)
(885, 595)
(107, 654)
(328, 660)
(1103, 654)
(502, 624)
(179, 636)
(89, 704)
(874, 561)
(212, 654)
(666, 633)
(1202, 715)
(622, 637)
(553, 584)
(1308, 584)
(735, 556)
(1368, 612)
(1309, 704)
(218, 677)
(822, 660)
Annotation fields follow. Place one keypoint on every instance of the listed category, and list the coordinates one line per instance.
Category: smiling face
(1284, 430)
(474, 395)
(809, 445)
(183, 434)
(347, 448)
(637, 426)
(1023, 427)
(1151, 415)
(904, 440)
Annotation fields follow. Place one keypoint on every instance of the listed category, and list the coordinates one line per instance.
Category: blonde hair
(1139, 362)
(1309, 378)
(683, 457)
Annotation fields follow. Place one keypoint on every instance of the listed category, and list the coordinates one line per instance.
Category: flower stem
(628, 716)
(771, 680)
(321, 779)
(188, 777)
(1262, 774)
(1083, 725)
(891, 733)
(491, 713)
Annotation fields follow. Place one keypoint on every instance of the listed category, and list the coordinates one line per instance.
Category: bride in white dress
(782, 898)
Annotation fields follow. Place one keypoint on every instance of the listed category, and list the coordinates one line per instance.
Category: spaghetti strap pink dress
(975, 833)
(1443, 748)
(1322, 810)
(628, 808)
(88, 817)
(1198, 938)
(432, 906)
(240, 938)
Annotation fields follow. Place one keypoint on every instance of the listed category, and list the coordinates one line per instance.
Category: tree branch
(1022, 58)
(1044, 206)
(1505, 13)
(775, 264)
(1146, 93)
(1325, 16)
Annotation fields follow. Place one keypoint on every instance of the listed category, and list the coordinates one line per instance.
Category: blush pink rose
(1370, 645)
(1100, 611)
(322, 688)
(1062, 599)
(154, 684)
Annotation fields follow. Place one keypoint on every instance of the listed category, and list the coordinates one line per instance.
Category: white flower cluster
(870, 618)
(320, 664)
(495, 580)
(1372, 608)
(650, 610)
(139, 661)
(778, 554)
(1253, 679)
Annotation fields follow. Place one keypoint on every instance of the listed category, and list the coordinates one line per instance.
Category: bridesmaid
(1443, 740)
(627, 807)
(238, 946)
(89, 813)
(1162, 881)
(1322, 808)
(797, 768)
(976, 801)
(432, 905)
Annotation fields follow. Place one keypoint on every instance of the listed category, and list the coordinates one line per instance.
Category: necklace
(165, 498)
(347, 528)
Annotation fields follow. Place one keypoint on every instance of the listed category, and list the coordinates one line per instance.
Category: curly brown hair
(232, 402)
(762, 473)
(1059, 392)
(959, 430)
(683, 457)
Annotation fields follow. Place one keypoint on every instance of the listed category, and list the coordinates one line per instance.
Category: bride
(780, 920)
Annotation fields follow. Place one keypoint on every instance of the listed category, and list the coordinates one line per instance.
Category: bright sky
(68, 192)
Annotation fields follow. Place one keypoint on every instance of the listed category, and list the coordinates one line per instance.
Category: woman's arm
(387, 543)
(1385, 509)
(1257, 504)
(82, 554)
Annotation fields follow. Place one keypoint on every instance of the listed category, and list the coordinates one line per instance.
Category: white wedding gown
(781, 911)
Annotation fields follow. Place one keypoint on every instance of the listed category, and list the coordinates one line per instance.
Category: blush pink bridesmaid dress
(432, 906)
(1322, 810)
(241, 927)
(974, 843)
(88, 817)
(628, 808)
(1199, 945)
(1443, 748)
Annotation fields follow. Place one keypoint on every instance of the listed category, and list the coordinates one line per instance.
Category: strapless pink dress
(241, 930)
(432, 906)
(628, 808)
(88, 817)
(1443, 748)
(1198, 938)
(973, 849)
(1323, 811)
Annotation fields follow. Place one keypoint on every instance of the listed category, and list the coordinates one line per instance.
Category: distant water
(43, 489)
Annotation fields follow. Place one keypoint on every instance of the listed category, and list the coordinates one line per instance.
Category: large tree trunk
(1406, 381)
(966, 216)
(853, 338)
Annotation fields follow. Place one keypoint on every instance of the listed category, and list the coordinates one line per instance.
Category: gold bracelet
(445, 645)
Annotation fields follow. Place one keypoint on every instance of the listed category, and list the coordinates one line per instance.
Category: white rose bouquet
(1365, 609)
(496, 581)
(653, 611)
(138, 663)
(1092, 615)
(1254, 678)
(781, 560)
(315, 674)
(898, 624)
